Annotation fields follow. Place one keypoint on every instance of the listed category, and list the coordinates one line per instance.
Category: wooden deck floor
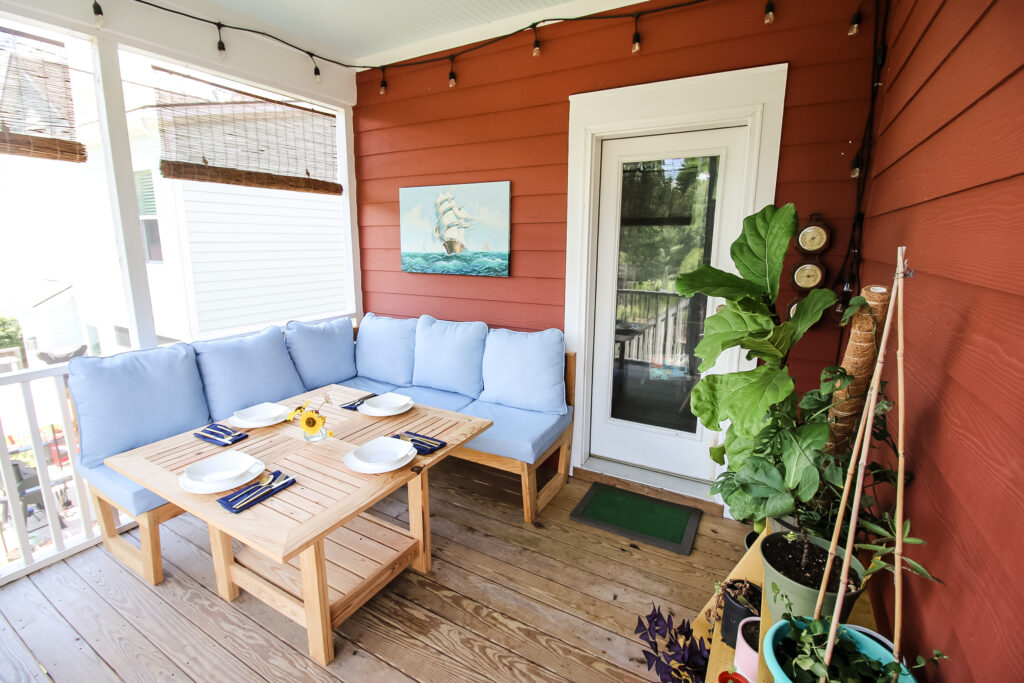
(505, 601)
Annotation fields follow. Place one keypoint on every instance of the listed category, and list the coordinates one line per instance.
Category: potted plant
(773, 448)
(740, 599)
(747, 643)
(673, 652)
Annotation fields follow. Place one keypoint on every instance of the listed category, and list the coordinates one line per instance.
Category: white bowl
(261, 415)
(385, 405)
(220, 485)
(220, 467)
(383, 451)
(357, 465)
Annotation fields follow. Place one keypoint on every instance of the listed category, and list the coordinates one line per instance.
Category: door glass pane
(665, 228)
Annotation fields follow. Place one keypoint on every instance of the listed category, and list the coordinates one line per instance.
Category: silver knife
(265, 490)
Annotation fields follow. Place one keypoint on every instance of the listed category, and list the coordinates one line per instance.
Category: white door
(667, 204)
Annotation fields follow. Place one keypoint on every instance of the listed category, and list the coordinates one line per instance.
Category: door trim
(746, 97)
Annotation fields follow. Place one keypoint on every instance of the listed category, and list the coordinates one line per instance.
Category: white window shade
(37, 116)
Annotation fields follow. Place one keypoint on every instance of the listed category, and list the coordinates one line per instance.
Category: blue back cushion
(242, 371)
(323, 352)
(449, 355)
(384, 349)
(135, 398)
(525, 370)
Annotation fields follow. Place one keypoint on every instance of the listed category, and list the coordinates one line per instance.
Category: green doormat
(667, 525)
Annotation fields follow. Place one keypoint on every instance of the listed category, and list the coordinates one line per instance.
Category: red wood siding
(947, 183)
(508, 120)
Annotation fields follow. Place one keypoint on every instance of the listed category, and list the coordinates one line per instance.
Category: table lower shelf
(361, 558)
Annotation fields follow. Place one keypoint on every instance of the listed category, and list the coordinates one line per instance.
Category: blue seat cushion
(525, 370)
(384, 349)
(520, 434)
(135, 398)
(449, 355)
(367, 384)
(133, 497)
(323, 352)
(242, 371)
(446, 400)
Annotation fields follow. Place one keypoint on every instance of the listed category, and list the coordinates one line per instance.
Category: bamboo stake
(898, 555)
(864, 420)
(876, 381)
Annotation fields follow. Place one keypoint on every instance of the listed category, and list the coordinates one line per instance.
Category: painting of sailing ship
(456, 229)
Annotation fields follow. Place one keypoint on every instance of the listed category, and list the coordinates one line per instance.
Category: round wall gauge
(808, 275)
(814, 237)
(791, 307)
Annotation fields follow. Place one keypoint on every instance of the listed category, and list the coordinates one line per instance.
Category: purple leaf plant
(672, 651)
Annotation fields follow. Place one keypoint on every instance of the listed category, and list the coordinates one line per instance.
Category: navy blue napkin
(242, 493)
(422, 448)
(219, 435)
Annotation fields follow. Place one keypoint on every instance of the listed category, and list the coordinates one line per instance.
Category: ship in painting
(452, 223)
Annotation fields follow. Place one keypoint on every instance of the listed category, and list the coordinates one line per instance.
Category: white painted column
(121, 181)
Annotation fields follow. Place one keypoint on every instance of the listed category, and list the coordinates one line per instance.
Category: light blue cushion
(323, 352)
(520, 434)
(446, 400)
(525, 370)
(133, 497)
(367, 384)
(384, 349)
(242, 371)
(449, 355)
(135, 398)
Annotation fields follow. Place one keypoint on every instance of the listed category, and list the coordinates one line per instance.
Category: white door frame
(746, 97)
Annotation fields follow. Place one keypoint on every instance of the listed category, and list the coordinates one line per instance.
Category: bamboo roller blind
(37, 116)
(222, 135)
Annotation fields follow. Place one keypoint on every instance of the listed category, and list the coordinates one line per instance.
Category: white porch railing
(53, 484)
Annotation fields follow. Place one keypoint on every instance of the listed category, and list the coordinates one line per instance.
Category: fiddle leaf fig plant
(773, 445)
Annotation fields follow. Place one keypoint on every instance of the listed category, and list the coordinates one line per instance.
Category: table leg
(314, 597)
(223, 560)
(419, 521)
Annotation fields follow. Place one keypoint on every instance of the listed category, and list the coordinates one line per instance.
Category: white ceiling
(385, 31)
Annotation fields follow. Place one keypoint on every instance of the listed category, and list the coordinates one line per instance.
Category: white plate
(201, 487)
(383, 451)
(358, 465)
(385, 405)
(226, 465)
(261, 415)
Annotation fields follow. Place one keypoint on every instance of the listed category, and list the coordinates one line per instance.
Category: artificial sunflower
(312, 422)
(298, 411)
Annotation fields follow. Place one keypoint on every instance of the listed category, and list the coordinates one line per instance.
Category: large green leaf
(801, 452)
(739, 320)
(758, 252)
(809, 310)
(742, 397)
(714, 282)
(762, 481)
(772, 346)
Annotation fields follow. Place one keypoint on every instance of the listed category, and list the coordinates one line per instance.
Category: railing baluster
(13, 501)
(84, 502)
(42, 472)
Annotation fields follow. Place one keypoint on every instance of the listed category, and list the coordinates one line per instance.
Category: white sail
(452, 222)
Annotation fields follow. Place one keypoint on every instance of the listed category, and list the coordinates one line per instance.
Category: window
(147, 216)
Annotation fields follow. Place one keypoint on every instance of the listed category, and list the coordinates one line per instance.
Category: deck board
(505, 600)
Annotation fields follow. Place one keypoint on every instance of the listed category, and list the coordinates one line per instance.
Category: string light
(97, 13)
(636, 33)
(855, 165)
(451, 72)
(536, 41)
(222, 50)
(769, 13)
(316, 67)
(854, 24)
(383, 81)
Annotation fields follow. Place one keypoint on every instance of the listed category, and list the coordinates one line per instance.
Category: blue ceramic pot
(865, 644)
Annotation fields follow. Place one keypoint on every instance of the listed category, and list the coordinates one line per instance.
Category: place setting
(386, 454)
(383, 405)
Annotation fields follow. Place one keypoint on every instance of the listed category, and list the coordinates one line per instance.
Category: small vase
(319, 436)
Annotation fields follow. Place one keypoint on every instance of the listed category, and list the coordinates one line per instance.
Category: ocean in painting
(489, 263)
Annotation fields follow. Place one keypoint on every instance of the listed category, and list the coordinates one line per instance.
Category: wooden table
(310, 551)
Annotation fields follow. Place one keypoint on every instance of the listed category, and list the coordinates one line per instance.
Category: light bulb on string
(316, 68)
(769, 13)
(222, 49)
(97, 13)
(855, 165)
(383, 82)
(536, 41)
(451, 73)
(636, 33)
(854, 24)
